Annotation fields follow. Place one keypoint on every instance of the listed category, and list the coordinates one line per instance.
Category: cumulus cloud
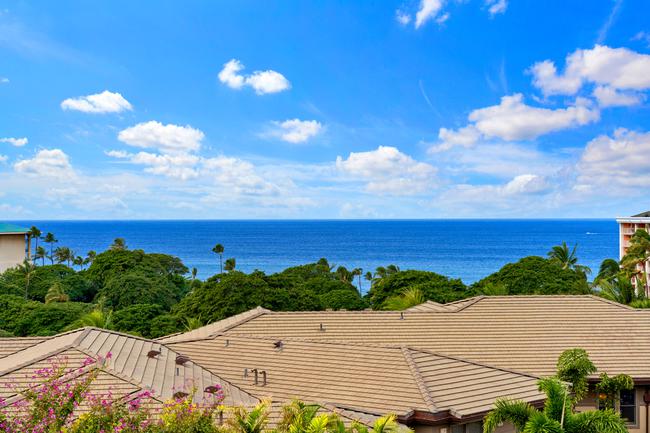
(3, 158)
(296, 130)
(168, 138)
(4, 80)
(513, 120)
(262, 82)
(620, 161)
(608, 96)
(496, 7)
(47, 163)
(386, 170)
(105, 102)
(619, 68)
(427, 11)
(18, 142)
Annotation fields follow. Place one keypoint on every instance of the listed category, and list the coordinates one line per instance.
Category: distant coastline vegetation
(152, 295)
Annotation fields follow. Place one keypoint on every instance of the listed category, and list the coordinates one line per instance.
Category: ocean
(466, 249)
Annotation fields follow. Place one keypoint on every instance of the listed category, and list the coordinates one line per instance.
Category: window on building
(472, 427)
(627, 405)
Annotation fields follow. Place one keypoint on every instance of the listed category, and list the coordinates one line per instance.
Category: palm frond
(516, 412)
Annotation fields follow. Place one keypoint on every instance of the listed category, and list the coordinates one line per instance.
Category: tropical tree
(40, 254)
(368, 277)
(78, 261)
(620, 289)
(609, 269)
(218, 249)
(64, 254)
(385, 424)
(90, 257)
(636, 261)
(409, 298)
(194, 272)
(357, 272)
(565, 257)
(97, 318)
(344, 274)
(118, 244)
(34, 233)
(192, 323)
(253, 421)
(51, 240)
(26, 272)
(230, 264)
(574, 366)
(56, 293)
(557, 416)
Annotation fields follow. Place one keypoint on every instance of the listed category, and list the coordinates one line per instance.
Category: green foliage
(138, 319)
(574, 366)
(56, 293)
(339, 299)
(433, 286)
(136, 287)
(535, 275)
(558, 415)
(409, 298)
(49, 319)
(609, 388)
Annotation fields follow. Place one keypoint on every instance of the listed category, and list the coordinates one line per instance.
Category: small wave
(592, 233)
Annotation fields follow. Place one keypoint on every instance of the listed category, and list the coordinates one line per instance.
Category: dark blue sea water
(468, 249)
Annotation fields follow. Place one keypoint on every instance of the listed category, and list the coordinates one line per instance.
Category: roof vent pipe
(257, 381)
(401, 316)
(153, 353)
(263, 377)
(322, 328)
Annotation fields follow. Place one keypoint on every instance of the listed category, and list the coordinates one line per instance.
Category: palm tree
(34, 233)
(50, 239)
(392, 269)
(64, 254)
(218, 249)
(609, 269)
(561, 254)
(620, 289)
(357, 272)
(90, 257)
(253, 421)
(192, 323)
(56, 293)
(558, 415)
(26, 270)
(40, 253)
(230, 264)
(118, 244)
(385, 424)
(194, 272)
(78, 261)
(344, 274)
(299, 417)
(98, 318)
(409, 298)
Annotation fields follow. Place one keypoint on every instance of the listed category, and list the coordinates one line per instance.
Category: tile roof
(379, 379)
(523, 333)
(130, 364)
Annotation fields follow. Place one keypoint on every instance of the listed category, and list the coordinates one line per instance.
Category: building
(14, 246)
(627, 226)
(439, 368)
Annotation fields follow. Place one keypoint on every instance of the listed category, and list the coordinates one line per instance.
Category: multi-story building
(14, 246)
(629, 225)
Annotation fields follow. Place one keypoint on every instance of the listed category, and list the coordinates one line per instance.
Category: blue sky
(337, 109)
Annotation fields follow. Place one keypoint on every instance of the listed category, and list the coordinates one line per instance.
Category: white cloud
(4, 80)
(297, 131)
(262, 82)
(402, 17)
(428, 10)
(386, 170)
(619, 68)
(105, 102)
(526, 184)
(52, 163)
(18, 142)
(3, 158)
(608, 96)
(166, 138)
(610, 163)
(513, 120)
(178, 166)
(464, 137)
(496, 6)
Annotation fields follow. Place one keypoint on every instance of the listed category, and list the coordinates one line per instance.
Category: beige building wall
(639, 426)
(12, 250)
